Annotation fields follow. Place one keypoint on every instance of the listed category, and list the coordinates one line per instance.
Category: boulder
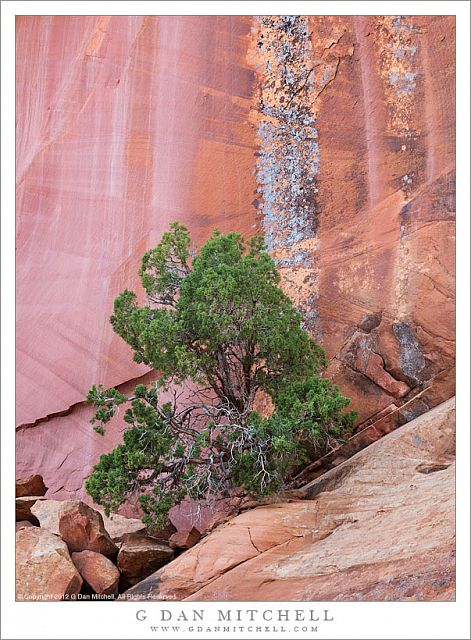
(140, 555)
(82, 528)
(185, 539)
(44, 569)
(31, 486)
(23, 524)
(117, 526)
(378, 527)
(47, 513)
(163, 533)
(98, 571)
(23, 507)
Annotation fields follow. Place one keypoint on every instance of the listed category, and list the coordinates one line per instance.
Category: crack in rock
(65, 412)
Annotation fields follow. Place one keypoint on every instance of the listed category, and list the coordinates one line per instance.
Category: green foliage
(164, 268)
(220, 320)
(107, 403)
(314, 409)
(230, 327)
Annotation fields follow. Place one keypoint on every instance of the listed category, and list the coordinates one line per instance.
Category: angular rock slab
(141, 555)
(44, 569)
(98, 571)
(31, 486)
(164, 532)
(185, 539)
(118, 526)
(82, 528)
(374, 528)
(47, 514)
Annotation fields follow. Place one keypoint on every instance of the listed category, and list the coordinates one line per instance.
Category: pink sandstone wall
(124, 124)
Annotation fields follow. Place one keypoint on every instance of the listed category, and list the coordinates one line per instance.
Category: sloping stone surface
(378, 527)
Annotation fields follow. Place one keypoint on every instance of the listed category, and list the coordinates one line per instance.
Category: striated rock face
(124, 125)
(356, 176)
(379, 527)
(332, 136)
(44, 569)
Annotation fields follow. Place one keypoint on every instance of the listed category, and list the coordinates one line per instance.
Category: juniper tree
(219, 320)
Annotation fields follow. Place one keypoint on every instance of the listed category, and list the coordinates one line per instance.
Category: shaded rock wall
(332, 136)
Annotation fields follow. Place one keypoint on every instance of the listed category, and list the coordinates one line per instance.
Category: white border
(229, 7)
(117, 620)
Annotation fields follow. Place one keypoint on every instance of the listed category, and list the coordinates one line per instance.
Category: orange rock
(375, 528)
(99, 572)
(139, 555)
(44, 569)
(31, 486)
(82, 528)
(47, 512)
(185, 539)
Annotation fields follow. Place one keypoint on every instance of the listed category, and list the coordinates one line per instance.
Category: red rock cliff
(332, 136)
